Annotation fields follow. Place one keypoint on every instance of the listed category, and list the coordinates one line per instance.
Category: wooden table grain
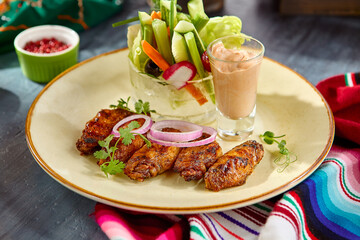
(34, 206)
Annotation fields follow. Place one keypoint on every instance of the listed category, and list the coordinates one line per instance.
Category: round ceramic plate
(286, 104)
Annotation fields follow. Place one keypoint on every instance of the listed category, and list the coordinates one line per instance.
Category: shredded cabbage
(220, 27)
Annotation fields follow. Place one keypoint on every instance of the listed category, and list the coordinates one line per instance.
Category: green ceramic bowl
(43, 67)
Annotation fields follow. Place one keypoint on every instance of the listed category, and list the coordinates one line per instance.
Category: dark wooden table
(34, 206)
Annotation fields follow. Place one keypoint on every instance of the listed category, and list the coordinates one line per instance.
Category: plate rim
(176, 210)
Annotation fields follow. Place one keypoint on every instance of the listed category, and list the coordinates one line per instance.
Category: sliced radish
(180, 73)
(205, 61)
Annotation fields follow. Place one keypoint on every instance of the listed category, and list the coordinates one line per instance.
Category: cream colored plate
(287, 104)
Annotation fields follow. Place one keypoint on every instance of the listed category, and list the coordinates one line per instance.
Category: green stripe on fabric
(348, 80)
(262, 207)
(343, 176)
(198, 231)
(287, 198)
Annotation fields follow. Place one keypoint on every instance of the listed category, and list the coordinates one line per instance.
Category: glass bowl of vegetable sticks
(171, 103)
(169, 66)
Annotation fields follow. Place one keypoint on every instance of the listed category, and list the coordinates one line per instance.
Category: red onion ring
(189, 131)
(143, 129)
(209, 130)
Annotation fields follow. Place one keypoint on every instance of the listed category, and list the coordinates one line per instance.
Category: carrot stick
(196, 93)
(155, 15)
(154, 55)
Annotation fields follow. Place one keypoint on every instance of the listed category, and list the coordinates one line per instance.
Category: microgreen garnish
(114, 166)
(143, 107)
(122, 104)
(140, 106)
(286, 156)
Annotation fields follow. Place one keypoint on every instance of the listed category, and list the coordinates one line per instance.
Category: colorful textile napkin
(324, 206)
(17, 15)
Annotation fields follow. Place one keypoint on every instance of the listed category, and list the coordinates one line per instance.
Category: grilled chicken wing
(99, 128)
(234, 167)
(193, 162)
(150, 162)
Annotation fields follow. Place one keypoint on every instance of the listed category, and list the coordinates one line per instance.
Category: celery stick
(172, 17)
(148, 34)
(195, 56)
(194, 53)
(165, 10)
(162, 39)
(146, 27)
(197, 14)
(179, 48)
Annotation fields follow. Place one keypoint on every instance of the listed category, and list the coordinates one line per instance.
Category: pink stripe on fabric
(115, 229)
(349, 158)
(173, 233)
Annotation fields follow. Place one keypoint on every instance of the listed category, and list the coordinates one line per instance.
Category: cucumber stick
(196, 59)
(137, 55)
(162, 39)
(179, 48)
(197, 14)
(184, 27)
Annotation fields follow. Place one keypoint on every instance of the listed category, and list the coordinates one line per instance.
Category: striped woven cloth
(324, 206)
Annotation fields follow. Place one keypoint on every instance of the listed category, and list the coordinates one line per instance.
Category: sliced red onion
(189, 131)
(143, 129)
(209, 130)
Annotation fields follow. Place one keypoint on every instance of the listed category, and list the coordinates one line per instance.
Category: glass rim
(246, 37)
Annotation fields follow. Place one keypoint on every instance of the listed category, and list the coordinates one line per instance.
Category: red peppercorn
(46, 45)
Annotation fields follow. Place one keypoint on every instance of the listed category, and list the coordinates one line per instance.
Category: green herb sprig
(140, 106)
(122, 104)
(114, 166)
(286, 157)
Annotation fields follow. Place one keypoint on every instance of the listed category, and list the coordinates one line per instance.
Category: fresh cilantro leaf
(126, 134)
(101, 154)
(143, 107)
(286, 156)
(112, 167)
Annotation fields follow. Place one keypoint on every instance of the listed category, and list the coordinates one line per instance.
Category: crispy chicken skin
(234, 167)
(193, 162)
(150, 162)
(99, 128)
(124, 152)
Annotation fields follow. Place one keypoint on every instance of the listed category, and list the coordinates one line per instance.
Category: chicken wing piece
(150, 162)
(99, 128)
(234, 167)
(124, 152)
(193, 162)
